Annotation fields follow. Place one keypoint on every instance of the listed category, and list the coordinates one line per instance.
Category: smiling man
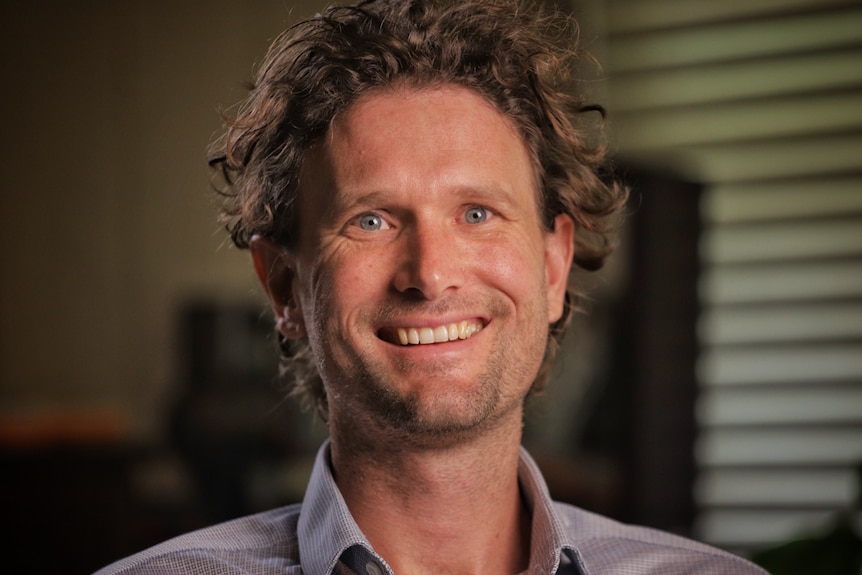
(413, 188)
(397, 254)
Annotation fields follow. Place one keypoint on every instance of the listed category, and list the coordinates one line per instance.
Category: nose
(430, 262)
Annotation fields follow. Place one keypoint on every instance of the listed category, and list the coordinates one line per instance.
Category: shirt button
(373, 568)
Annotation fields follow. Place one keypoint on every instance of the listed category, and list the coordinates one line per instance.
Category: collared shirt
(320, 537)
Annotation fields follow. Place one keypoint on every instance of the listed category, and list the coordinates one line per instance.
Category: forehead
(426, 142)
(444, 123)
(434, 109)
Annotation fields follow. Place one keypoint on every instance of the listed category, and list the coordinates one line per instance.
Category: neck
(453, 509)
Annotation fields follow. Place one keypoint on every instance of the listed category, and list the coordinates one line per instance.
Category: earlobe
(559, 250)
(276, 270)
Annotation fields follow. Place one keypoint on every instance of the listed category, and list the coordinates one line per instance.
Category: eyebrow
(356, 201)
(480, 194)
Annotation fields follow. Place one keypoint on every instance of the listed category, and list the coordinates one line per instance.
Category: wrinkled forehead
(380, 128)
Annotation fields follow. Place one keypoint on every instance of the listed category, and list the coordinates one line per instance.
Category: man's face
(424, 278)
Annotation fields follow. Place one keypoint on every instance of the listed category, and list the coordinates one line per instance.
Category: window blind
(760, 101)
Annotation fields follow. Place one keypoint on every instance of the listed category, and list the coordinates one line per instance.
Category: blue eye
(476, 215)
(370, 222)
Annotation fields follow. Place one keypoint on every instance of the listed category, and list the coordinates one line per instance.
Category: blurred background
(714, 388)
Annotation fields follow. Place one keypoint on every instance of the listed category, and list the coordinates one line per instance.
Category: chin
(448, 418)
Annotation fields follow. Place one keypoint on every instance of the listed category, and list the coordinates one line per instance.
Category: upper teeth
(439, 334)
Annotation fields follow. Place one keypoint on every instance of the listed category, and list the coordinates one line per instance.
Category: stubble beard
(367, 403)
(434, 416)
(443, 412)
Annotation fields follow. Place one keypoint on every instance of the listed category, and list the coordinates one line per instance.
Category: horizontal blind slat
(780, 364)
(640, 15)
(710, 85)
(705, 45)
(787, 200)
(805, 322)
(732, 487)
(734, 122)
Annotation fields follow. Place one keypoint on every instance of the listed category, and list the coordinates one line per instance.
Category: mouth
(404, 336)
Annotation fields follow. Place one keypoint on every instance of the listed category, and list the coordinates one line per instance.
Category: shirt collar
(326, 529)
(551, 543)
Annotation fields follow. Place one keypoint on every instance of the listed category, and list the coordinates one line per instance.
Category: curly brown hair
(513, 54)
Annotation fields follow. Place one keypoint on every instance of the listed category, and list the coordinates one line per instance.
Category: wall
(109, 222)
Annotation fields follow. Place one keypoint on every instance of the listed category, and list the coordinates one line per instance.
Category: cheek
(341, 282)
(356, 271)
(359, 275)
(517, 268)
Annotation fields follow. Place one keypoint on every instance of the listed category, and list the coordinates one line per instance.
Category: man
(411, 183)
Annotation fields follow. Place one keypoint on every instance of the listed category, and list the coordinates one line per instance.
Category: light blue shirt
(320, 537)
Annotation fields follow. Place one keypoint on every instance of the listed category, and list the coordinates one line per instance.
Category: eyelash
(382, 224)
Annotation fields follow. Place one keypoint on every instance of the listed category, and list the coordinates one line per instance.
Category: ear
(559, 249)
(276, 270)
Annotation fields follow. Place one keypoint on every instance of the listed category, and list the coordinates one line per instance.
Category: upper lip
(432, 322)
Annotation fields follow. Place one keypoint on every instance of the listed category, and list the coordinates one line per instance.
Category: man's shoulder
(263, 543)
(607, 546)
